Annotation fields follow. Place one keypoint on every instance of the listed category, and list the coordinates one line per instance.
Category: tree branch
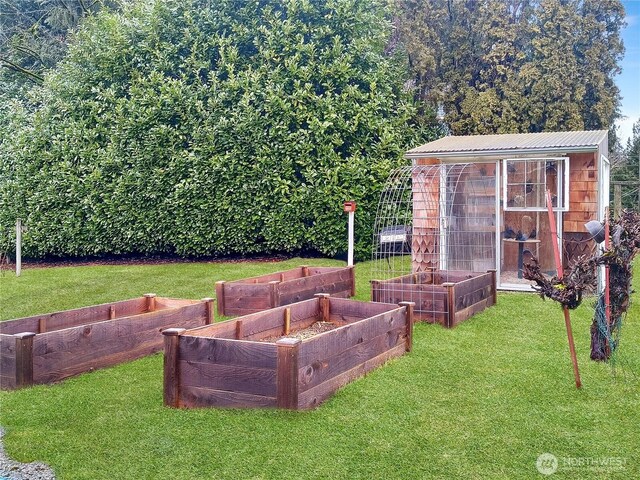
(17, 68)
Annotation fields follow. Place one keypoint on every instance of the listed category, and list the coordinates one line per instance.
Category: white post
(18, 247)
(350, 208)
(350, 254)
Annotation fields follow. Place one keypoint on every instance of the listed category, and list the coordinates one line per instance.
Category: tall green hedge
(210, 127)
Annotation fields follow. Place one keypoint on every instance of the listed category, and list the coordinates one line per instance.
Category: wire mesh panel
(435, 225)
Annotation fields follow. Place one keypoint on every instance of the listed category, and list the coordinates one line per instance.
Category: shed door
(524, 225)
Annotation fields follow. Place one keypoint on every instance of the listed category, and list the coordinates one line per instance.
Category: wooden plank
(48, 373)
(342, 289)
(259, 322)
(276, 331)
(340, 306)
(344, 319)
(256, 381)
(171, 370)
(270, 277)
(473, 284)
(242, 353)
(75, 317)
(7, 345)
(292, 274)
(314, 396)
(75, 350)
(56, 365)
(7, 362)
(306, 287)
(468, 312)
(163, 303)
(237, 291)
(470, 298)
(428, 298)
(430, 317)
(345, 337)
(225, 329)
(96, 334)
(332, 363)
(7, 382)
(287, 373)
(194, 397)
(242, 299)
(320, 270)
(189, 316)
(268, 320)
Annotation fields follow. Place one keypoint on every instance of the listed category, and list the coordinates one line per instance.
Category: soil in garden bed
(315, 329)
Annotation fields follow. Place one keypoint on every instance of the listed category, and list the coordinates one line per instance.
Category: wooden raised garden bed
(51, 347)
(244, 362)
(255, 294)
(449, 302)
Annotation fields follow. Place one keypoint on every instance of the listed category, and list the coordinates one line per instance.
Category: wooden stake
(273, 293)
(375, 290)
(450, 319)
(558, 260)
(607, 292)
(151, 301)
(287, 321)
(220, 297)
(323, 298)
(494, 282)
(210, 310)
(239, 330)
(409, 317)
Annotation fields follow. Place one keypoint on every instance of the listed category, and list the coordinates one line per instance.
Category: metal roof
(513, 143)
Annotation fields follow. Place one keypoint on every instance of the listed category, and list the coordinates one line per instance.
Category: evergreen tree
(628, 171)
(516, 65)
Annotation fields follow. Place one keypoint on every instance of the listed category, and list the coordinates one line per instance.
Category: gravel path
(12, 470)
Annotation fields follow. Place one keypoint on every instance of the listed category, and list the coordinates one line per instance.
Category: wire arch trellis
(435, 224)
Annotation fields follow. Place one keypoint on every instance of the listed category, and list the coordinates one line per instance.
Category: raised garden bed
(51, 347)
(226, 364)
(445, 297)
(255, 294)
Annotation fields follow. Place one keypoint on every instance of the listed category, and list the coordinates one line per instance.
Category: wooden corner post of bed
(171, 381)
(287, 373)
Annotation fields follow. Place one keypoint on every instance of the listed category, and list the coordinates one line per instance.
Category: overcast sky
(629, 79)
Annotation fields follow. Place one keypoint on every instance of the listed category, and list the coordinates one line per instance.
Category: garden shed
(489, 193)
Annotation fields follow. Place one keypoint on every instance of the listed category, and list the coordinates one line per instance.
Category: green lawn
(483, 400)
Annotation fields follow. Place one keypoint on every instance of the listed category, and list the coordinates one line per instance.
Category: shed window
(526, 181)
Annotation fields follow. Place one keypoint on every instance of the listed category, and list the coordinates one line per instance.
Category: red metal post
(567, 318)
